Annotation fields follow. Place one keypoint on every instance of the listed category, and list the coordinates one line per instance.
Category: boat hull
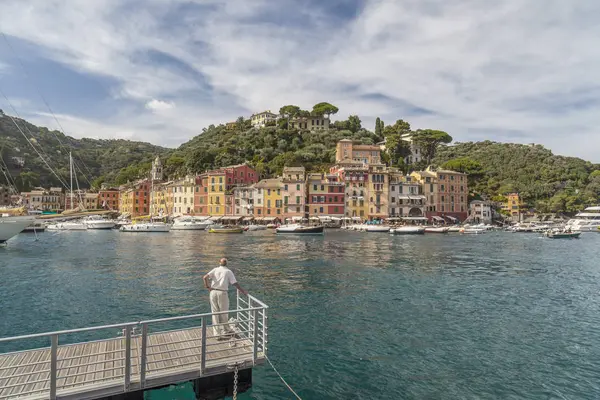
(67, 226)
(193, 227)
(145, 228)
(310, 230)
(411, 231)
(437, 230)
(101, 225)
(12, 226)
(574, 235)
(226, 230)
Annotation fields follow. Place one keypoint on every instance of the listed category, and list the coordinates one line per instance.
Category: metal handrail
(251, 321)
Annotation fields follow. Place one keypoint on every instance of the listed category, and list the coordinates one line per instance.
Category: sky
(525, 71)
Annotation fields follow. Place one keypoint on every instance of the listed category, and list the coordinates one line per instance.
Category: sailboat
(69, 226)
(12, 222)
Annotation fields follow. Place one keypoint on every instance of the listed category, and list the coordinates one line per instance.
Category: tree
(289, 111)
(378, 128)
(397, 149)
(324, 109)
(464, 165)
(429, 140)
(97, 183)
(354, 123)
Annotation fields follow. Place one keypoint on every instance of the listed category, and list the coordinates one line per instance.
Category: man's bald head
(223, 262)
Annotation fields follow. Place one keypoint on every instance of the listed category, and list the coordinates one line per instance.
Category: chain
(235, 382)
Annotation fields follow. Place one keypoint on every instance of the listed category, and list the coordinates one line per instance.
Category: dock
(142, 357)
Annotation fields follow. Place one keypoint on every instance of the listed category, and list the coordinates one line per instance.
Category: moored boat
(408, 230)
(67, 226)
(472, 231)
(35, 227)
(188, 224)
(12, 225)
(562, 235)
(97, 222)
(225, 229)
(252, 228)
(300, 229)
(436, 229)
(378, 228)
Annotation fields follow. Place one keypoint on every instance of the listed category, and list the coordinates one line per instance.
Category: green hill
(93, 158)
(547, 182)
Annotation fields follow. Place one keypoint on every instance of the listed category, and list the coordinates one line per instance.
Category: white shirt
(221, 277)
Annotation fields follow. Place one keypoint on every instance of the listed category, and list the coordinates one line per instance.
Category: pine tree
(378, 127)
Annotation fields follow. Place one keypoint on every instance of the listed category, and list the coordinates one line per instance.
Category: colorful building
(216, 192)
(347, 150)
(294, 192)
(243, 197)
(356, 178)
(162, 199)
(405, 198)
(201, 195)
(108, 198)
(447, 194)
(481, 212)
(269, 201)
(326, 195)
(378, 191)
(134, 199)
(183, 196)
(513, 206)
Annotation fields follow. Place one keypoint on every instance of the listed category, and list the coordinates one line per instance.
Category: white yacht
(67, 226)
(586, 221)
(12, 225)
(146, 227)
(97, 222)
(188, 224)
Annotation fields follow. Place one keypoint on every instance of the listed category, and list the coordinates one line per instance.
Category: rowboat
(226, 229)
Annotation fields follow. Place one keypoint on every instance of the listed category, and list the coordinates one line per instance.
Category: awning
(356, 218)
(215, 218)
(436, 218)
(270, 219)
(404, 197)
(324, 217)
(259, 219)
(394, 219)
(451, 218)
(248, 218)
(296, 218)
(414, 218)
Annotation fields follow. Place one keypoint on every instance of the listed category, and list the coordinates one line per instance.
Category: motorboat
(252, 228)
(12, 225)
(298, 229)
(36, 227)
(454, 229)
(437, 229)
(473, 231)
(97, 222)
(67, 226)
(586, 221)
(408, 230)
(566, 234)
(146, 227)
(225, 229)
(378, 228)
(188, 224)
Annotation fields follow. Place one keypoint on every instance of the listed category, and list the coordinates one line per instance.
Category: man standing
(217, 281)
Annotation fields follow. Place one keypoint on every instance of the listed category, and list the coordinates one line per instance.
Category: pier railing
(142, 356)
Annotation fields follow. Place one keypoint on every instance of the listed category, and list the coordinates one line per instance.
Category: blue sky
(161, 70)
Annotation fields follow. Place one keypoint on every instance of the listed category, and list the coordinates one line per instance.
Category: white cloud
(159, 105)
(518, 70)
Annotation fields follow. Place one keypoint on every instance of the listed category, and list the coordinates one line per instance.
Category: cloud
(518, 70)
(159, 105)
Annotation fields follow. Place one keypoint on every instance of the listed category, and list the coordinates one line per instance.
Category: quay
(144, 357)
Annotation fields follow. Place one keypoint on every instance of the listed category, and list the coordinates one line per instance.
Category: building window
(335, 209)
(298, 187)
(321, 209)
(314, 187)
(278, 211)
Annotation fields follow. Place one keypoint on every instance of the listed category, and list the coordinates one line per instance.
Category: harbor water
(352, 315)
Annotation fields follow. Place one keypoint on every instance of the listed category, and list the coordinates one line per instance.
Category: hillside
(548, 182)
(93, 158)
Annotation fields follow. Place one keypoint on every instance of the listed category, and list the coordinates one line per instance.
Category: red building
(239, 175)
(201, 195)
(326, 195)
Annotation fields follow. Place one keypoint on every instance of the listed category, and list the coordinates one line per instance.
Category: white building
(243, 200)
(405, 197)
(415, 156)
(260, 120)
(481, 212)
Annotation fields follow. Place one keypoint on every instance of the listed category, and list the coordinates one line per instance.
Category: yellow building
(162, 199)
(355, 177)
(268, 201)
(261, 119)
(126, 200)
(216, 192)
(513, 206)
(378, 192)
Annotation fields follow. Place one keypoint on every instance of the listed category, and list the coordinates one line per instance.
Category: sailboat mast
(71, 174)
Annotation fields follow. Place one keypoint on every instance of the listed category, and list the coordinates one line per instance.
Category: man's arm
(241, 289)
(206, 279)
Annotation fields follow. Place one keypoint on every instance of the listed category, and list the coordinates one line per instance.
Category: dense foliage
(96, 160)
(546, 182)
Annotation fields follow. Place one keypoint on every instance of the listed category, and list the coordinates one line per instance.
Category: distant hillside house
(313, 122)
(415, 156)
(260, 120)
(18, 161)
(347, 150)
(230, 126)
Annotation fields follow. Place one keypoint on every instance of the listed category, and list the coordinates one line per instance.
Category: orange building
(108, 199)
(347, 150)
(135, 199)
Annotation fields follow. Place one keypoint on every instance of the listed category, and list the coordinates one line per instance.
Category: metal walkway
(143, 357)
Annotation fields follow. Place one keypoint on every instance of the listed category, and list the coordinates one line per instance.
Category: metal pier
(143, 357)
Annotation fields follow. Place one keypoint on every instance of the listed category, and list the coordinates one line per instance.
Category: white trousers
(219, 301)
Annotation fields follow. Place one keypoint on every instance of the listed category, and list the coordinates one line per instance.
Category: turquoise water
(353, 315)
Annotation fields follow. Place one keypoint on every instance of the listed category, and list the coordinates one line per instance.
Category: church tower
(157, 169)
